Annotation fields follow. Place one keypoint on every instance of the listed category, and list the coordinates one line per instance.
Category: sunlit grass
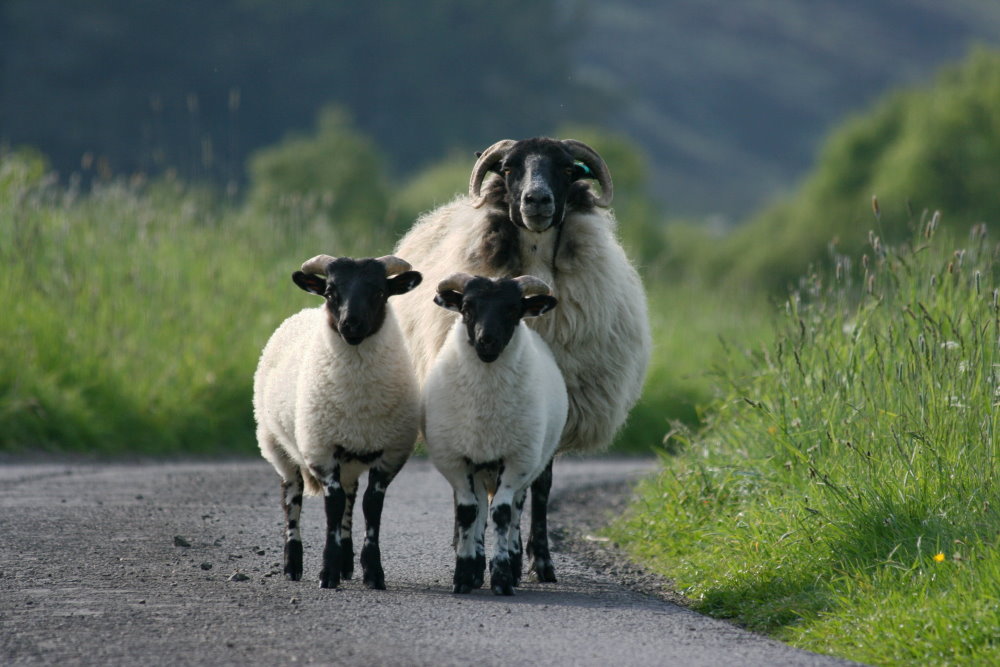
(133, 316)
(844, 495)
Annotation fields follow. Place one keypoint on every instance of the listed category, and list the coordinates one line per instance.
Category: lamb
(335, 395)
(494, 408)
(531, 210)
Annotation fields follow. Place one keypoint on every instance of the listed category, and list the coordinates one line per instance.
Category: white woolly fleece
(513, 409)
(313, 391)
(599, 333)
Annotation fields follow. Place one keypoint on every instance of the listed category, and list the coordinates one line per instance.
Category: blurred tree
(923, 149)
(336, 172)
(198, 86)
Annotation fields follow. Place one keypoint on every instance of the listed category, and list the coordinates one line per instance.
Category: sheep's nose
(538, 197)
(351, 323)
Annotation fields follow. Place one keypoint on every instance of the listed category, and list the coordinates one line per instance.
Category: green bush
(936, 146)
(335, 175)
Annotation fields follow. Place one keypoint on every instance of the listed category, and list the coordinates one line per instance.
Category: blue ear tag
(586, 169)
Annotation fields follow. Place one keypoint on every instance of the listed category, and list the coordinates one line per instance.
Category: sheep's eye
(506, 171)
(379, 295)
(569, 171)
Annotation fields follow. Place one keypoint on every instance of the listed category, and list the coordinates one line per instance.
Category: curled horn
(317, 264)
(490, 157)
(394, 265)
(587, 155)
(456, 282)
(532, 286)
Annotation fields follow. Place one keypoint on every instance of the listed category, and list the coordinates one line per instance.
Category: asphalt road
(91, 573)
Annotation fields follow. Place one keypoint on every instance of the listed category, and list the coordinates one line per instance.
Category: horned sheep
(494, 408)
(531, 210)
(335, 395)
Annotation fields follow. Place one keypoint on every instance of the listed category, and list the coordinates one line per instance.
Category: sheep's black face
(356, 292)
(538, 174)
(491, 311)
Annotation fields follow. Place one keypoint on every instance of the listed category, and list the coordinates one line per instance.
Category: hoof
(501, 581)
(329, 579)
(293, 560)
(502, 589)
(544, 571)
(375, 580)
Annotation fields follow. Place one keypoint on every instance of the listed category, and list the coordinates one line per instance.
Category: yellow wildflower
(939, 558)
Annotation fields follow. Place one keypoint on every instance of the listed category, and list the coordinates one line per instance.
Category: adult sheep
(531, 210)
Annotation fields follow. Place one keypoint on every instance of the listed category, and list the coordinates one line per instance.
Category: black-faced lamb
(531, 210)
(494, 409)
(335, 395)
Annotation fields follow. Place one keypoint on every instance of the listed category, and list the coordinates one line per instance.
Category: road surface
(94, 571)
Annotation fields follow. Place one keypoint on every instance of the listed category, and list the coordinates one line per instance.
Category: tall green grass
(844, 494)
(691, 326)
(133, 316)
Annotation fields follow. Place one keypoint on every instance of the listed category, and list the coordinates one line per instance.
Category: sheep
(335, 395)
(530, 210)
(493, 410)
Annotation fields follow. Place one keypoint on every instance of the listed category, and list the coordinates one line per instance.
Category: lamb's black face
(491, 311)
(538, 174)
(356, 292)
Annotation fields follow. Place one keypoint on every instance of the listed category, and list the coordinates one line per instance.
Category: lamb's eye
(506, 171)
(379, 295)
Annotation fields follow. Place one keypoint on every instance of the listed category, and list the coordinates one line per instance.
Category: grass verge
(843, 496)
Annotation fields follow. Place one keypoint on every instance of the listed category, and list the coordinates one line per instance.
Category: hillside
(732, 100)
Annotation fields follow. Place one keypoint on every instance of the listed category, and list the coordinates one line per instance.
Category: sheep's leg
(483, 490)
(538, 539)
(515, 548)
(335, 500)
(510, 484)
(462, 478)
(346, 525)
(291, 503)
(371, 555)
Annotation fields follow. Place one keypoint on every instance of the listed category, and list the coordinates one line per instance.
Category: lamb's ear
(449, 299)
(310, 282)
(537, 305)
(404, 282)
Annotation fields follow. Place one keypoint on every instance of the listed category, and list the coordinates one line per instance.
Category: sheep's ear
(539, 304)
(310, 282)
(449, 299)
(404, 282)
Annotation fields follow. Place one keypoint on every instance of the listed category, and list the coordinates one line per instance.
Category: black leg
(371, 556)
(335, 500)
(291, 503)
(501, 581)
(538, 539)
(346, 542)
(516, 548)
(466, 564)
